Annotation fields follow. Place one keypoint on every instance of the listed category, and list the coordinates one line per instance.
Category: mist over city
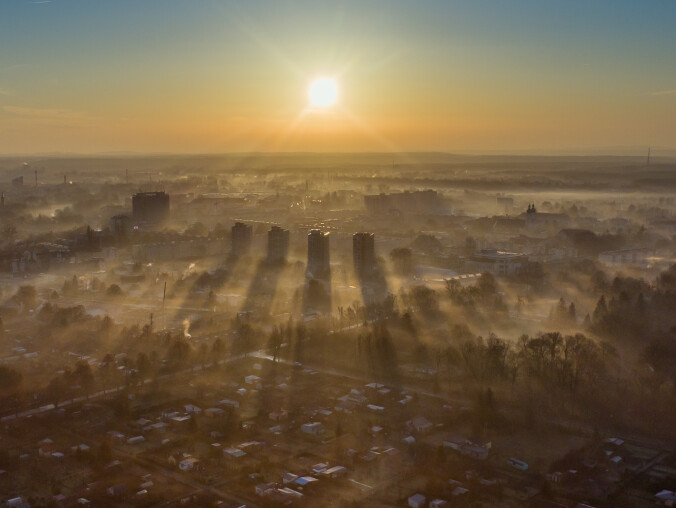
(260, 254)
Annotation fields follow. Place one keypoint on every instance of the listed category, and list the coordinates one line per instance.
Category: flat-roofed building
(318, 255)
(497, 262)
(150, 206)
(363, 252)
(278, 244)
(621, 257)
(241, 238)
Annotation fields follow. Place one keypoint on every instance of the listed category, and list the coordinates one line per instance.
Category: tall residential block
(318, 254)
(241, 238)
(363, 252)
(278, 244)
(150, 206)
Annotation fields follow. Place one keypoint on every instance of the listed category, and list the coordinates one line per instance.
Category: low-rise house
(17, 502)
(280, 497)
(417, 501)
(188, 464)
(233, 453)
(214, 412)
(289, 478)
(262, 488)
(313, 428)
(159, 426)
(459, 491)
(251, 446)
(45, 447)
(374, 386)
(228, 402)
(305, 481)
(117, 490)
(320, 468)
(335, 472)
(323, 414)
(419, 424)
(354, 397)
(179, 420)
(517, 464)
(468, 448)
(345, 406)
(666, 496)
(405, 400)
(287, 491)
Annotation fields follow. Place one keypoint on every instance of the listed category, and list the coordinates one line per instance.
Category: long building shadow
(317, 297)
(375, 292)
(263, 288)
(194, 294)
(377, 353)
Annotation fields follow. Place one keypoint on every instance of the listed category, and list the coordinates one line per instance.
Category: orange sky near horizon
(229, 76)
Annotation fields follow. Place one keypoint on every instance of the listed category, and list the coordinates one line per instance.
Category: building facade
(497, 262)
(318, 257)
(638, 256)
(150, 206)
(363, 252)
(278, 244)
(242, 235)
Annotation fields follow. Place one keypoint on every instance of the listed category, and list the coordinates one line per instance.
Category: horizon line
(618, 151)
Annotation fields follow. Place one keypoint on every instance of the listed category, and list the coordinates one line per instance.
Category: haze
(352, 254)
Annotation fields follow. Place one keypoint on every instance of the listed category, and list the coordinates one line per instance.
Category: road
(262, 354)
(568, 425)
(77, 400)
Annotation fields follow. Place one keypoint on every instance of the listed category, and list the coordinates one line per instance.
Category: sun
(323, 92)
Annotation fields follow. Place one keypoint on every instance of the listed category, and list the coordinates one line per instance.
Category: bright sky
(220, 76)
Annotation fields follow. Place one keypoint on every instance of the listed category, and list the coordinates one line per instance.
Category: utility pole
(164, 297)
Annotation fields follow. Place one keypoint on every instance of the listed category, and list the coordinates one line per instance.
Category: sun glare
(323, 92)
